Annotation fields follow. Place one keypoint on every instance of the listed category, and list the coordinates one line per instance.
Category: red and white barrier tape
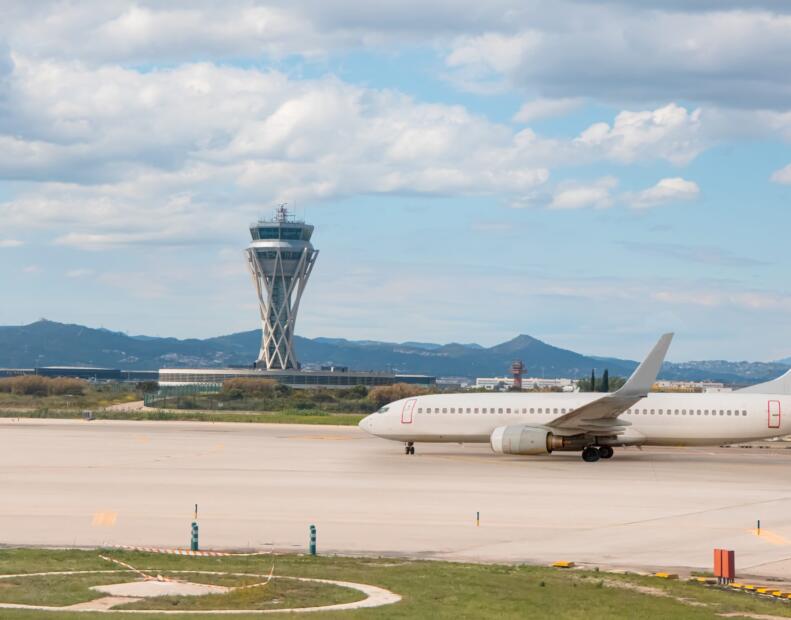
(208, 554)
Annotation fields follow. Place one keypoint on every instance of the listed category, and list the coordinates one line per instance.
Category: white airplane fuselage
(658, 419)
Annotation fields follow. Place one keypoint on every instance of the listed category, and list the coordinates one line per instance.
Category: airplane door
(406, 412)
(774, 413)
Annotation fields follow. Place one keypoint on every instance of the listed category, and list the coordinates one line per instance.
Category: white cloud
(10, 243)
(731, 58)
(79, 273)
(783, 175)
(669, 132)
(575, 196)
(732, 54)
(674, 189)
(546, 108)
(133, 157)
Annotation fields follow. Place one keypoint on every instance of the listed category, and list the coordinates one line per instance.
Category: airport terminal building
(292, 378)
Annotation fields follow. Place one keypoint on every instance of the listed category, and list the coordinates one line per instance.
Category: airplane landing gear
(410, 448)
(590, 454)
(606, 452)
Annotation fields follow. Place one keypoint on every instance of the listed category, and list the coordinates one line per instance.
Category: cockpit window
(383, 409)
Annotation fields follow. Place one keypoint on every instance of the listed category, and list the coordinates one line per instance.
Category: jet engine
(524, 439)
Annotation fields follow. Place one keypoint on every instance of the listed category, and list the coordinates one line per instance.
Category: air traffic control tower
(280, 258)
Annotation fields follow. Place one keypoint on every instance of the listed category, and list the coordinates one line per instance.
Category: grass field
(434, 590)
(275, 417)
(92, 399)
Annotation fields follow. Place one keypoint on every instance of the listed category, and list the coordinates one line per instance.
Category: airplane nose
(366, 424)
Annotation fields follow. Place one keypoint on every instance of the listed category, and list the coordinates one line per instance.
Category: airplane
(591, 423)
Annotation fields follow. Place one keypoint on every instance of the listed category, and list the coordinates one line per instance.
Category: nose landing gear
(409, 448)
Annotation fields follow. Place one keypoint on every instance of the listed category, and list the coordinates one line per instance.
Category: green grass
(92, 399)
(436, 590)
(276, 417)
(277, 594)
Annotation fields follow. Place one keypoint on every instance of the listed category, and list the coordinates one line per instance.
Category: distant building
(84, 372)
(691, 386)
(500, 384)
(292, 378)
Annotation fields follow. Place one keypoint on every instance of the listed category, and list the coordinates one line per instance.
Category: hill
(47, 343)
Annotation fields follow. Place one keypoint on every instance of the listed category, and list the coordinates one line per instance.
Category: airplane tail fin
(781, 385)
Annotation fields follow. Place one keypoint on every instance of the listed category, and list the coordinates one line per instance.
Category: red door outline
(773, 413)
(406, 412)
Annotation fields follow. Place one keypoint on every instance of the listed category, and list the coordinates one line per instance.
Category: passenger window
(532, 410)
(468, 410)
(452, 410)
(722, 412)
(652, 412)
(444, 410)
(729, 412)
(500, 410)
(508, 410)
(476, 410)
(706, 412)
(419, 410)
(744, 413)
(555, 410)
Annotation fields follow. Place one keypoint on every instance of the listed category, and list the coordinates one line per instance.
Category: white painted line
(374, 596)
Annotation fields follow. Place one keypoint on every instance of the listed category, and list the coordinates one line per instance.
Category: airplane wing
(601, 414)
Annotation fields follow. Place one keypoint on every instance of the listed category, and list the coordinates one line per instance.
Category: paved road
(135, 483)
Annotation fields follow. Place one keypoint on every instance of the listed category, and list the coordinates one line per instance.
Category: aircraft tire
(590, 455)
(606, 452)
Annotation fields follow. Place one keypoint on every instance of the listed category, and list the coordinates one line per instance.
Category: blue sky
(590, 173)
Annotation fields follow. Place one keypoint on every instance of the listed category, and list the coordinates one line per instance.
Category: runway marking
(770, 537)
(104, 519)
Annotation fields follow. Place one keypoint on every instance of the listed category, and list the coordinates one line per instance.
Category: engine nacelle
(520, 439)
(524, 439)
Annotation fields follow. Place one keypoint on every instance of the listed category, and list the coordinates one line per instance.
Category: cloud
(670, 190)
(79, 273)
(783, 175)
(10, 243)
(669, 132)
(703, 254)
(730, 54)
(575, 196)
(124, 157)
(546, 108)
(621, 53)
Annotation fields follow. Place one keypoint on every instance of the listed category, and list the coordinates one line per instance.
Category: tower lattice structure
(280, 258)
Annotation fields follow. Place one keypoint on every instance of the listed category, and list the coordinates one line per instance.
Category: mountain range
(47, 343)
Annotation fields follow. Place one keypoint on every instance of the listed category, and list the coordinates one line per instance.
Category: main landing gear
(410, 448)
(591, 454)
